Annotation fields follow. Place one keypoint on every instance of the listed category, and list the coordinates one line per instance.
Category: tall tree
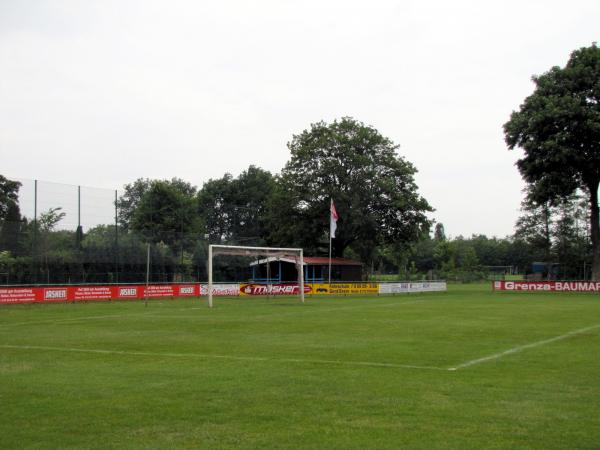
(558, 127)
(129, 201)
(571, 243)
(10, 229)
(235, 209)
(534, 227)
(134, 192)
(9, 193)
(252, 191)
(49, 219)
(164, 213)
(215, 209)
(439, 233)
(373, 188)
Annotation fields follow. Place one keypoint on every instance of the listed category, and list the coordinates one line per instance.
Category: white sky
(102, 93)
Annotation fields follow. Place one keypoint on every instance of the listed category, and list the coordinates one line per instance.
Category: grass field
(464, 369)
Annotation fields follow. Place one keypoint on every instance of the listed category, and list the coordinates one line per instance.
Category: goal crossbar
(238, 250)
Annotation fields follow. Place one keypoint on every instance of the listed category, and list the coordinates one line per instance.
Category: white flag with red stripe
(334, 219)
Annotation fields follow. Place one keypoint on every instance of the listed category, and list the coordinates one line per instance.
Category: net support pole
(78, 206)
(210, 276)
(301, 275)
(35, 228)
(116, 237)
(147, 276)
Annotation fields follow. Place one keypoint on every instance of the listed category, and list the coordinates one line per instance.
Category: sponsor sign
(91, 293)
(221, 290)
(428, 286)
(394, 288)
(14, 295)
(11, 295)
(55, 294)
(128, 291)
(547, 286)
(19, 295)
(406, 287)
(188, 291)
(273, 289)
(159, 290)
(346, 288)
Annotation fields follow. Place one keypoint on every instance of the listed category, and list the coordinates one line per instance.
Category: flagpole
(329, 256)
(330, 205)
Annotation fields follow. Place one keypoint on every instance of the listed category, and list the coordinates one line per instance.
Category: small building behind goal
(316, 270)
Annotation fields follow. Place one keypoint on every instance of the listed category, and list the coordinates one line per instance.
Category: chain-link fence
(53, 233)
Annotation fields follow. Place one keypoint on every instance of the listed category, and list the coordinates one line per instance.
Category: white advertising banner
(406, 287)
(394, 288)
(221, 290)
(429, 286)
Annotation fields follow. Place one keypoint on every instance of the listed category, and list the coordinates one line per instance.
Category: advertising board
(407, 287)
(221, 290)
(12, 295)
(18, 295)
(49, 294)
(272, 289)
(345, 288)
(547, 286)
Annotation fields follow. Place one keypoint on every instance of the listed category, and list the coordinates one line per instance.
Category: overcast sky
(102, 93)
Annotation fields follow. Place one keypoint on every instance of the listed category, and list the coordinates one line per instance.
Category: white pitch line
(339, 308)
(74, 319)
(523, 347)
(161, 315)
(229, 357)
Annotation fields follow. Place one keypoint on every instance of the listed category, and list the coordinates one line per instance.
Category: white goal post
(237, 250)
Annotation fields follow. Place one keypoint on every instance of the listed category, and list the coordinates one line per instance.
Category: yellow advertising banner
(345, 288)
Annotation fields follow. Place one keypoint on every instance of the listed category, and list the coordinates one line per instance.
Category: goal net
(268, 253)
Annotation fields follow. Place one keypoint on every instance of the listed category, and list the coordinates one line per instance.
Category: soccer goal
(297, 254)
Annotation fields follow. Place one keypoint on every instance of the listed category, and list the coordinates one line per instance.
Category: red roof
(312, 261)
(318, 260)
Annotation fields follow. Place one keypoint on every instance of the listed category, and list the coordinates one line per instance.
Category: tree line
(179, 221)
(347, 161)
(179, 239)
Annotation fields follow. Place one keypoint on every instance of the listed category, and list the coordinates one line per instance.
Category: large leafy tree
(556, 233)
(130, 199)
(133, 193)
(372, 186)
(164, 213)
(9, 194)
(10, 215)
(235, 209)
(10, 229)
(534, 228)
(558, 127)
(571, 243)
(214, 208)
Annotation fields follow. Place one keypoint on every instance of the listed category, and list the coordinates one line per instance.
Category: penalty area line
(520, 348)
(225, 357)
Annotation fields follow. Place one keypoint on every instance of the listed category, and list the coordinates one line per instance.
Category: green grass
(274, 373)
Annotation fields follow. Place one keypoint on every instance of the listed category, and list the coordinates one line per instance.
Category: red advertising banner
(13, 295)
(273, 289)
(547, 286)
(18, 295)
(82, 293)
